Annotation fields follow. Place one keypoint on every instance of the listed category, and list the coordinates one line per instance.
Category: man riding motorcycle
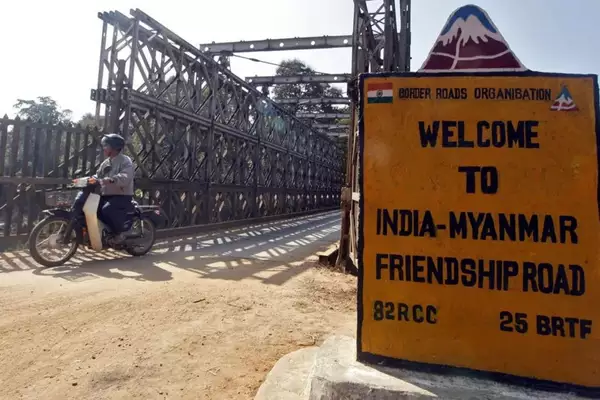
(127, 226)
(116, 179)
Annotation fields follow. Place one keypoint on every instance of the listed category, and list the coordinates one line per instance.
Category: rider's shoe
(119, 238)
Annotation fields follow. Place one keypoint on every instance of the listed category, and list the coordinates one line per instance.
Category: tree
(88, 120)
(303, 90)
(306, 90)
(44, 109)
(296, 67)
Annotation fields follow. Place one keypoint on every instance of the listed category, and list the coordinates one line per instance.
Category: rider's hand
(106, 181)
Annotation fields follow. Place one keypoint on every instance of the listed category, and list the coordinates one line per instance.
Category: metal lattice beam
(322, 115)
(297, 43)
(376, 39)
(314, 101)
(339, 125)
(208, 147)
(282, 80)
(337, 134)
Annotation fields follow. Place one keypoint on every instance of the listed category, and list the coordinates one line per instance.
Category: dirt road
(200, 318)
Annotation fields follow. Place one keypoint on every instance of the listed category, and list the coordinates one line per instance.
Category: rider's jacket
(121, 170)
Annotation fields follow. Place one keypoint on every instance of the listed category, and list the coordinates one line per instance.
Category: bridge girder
(292, 80)
(297, 43)
(309, 115)
(331, 127)
(337, 134)
(315, 101)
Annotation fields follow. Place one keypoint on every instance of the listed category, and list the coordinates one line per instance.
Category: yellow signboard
(479, 232)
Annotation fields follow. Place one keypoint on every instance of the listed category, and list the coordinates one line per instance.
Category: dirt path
(187, 337)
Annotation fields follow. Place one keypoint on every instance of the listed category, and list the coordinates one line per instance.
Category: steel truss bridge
(379, 42)
(213, 146)
(208, 146)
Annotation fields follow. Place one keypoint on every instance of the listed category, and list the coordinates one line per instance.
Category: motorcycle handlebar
(85, 181)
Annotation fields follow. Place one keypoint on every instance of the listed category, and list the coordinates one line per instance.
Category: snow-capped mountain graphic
(564, 101)
(471, 42)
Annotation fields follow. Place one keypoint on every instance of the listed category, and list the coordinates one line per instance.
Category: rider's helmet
(113, 140)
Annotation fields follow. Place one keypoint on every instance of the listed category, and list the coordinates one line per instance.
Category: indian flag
(380, 92)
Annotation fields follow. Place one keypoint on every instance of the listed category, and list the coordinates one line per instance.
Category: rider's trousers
(112, 210)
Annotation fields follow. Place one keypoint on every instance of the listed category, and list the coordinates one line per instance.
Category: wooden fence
(35, 158)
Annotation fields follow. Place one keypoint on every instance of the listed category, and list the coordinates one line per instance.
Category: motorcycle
(90, 231)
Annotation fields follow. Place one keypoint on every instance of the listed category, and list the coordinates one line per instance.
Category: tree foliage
(88, 120)
(306, 90)
(43, 109)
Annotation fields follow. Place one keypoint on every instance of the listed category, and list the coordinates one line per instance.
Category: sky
(51, 48)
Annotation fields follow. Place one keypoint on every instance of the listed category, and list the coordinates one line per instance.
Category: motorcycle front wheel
(47, 245)
(143, 244)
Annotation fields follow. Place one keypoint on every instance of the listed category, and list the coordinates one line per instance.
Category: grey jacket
(121, 170)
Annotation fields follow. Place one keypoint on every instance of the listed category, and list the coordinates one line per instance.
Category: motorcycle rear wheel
(149, 235)
(34, 249)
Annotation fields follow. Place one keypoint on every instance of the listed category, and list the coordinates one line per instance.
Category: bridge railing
(36, 158)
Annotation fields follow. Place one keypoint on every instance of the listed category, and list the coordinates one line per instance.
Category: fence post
(3, 142)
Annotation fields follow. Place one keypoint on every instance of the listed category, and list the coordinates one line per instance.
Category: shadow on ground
(272, 252)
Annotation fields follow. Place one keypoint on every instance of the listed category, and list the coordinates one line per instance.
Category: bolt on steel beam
(297, 43)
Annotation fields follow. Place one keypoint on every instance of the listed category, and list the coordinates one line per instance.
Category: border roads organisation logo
(564, 101)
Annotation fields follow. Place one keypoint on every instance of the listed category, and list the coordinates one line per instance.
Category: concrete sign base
(331, 372)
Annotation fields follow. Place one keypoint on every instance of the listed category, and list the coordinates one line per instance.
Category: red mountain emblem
(471, 42)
